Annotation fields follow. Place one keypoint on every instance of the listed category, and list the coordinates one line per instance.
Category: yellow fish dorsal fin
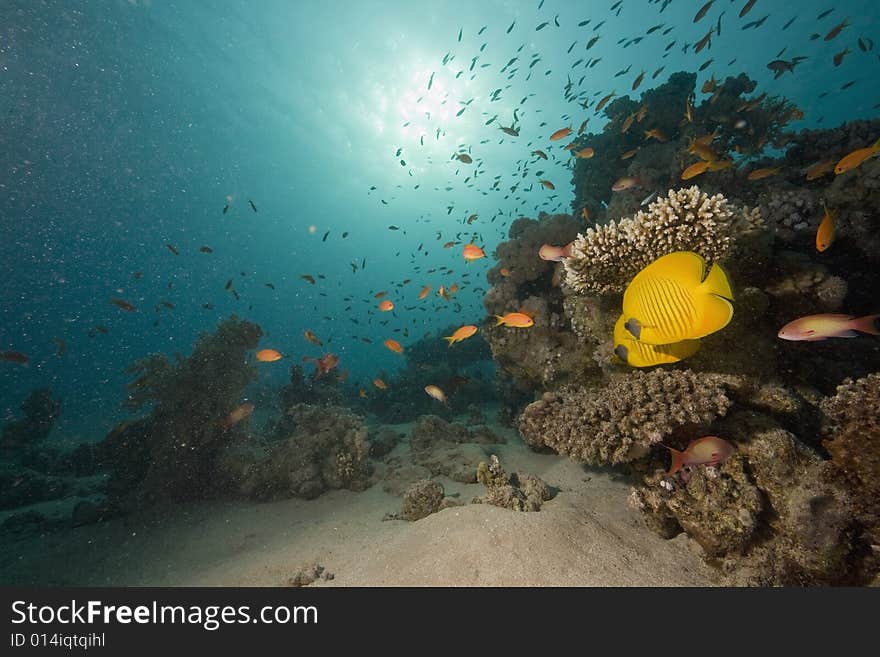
(717, 282)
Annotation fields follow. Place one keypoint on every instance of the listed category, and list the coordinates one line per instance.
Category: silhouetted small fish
(173, 249)
(206, 249)
(122, 303)
(253, 207)
(269, 285)
(324, 239)
(226, 208)
(14, 357)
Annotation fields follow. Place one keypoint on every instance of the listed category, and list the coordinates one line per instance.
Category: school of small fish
(672, 303)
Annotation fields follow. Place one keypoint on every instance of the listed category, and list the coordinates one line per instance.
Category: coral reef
(383, 440)
(41, 410)
(621, 421)
(448, 448)
(852, 438)
(604, 259)
(309, 390)
(316, 448)
(171, 454)
(421, 499)
(518, 492)
(532, 358)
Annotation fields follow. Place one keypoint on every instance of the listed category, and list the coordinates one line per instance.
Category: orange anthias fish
(425, 292)
(695, 170)
(311, 337)
(464, 158)
(585, 153)
(436, 393)
(708, 450)
(547, 184)
(268, 355)
(827, 230)
(462, 333)
(386, 305)
(394, 346)
(820, 169)
(381, 294)
(625, 183)
(562, 133)
(720, 165)
(504, 271)
(540, 154)
(759, 174)
(237, 415)
(629, 153)
(656, 133)
(379, 383)
(515, 320)
(324, 364)
(813, 328)
(473, 252)
(555, 253)
(855, 158)
(585, 213)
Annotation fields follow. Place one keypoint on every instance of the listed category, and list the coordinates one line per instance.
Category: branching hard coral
(619, 423)
(606, 258)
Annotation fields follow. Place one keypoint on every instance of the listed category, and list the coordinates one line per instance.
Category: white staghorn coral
(605, 258)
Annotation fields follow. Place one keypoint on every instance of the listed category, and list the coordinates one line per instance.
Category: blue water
(128, 125)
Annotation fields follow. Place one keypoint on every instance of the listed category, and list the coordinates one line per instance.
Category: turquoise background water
(129, 125)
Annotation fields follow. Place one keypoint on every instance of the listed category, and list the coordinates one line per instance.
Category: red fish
(324, 364)
(708, 450)
(554, 253)
(237, 415)
(813, 328)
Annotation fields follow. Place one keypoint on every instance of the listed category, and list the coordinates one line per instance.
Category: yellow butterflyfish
(673, 299)
(640, 354)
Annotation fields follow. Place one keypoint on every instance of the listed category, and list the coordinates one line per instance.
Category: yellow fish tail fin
(450, 339)
(715, 313)
(718, 283)
(876, 146)
(500, 320)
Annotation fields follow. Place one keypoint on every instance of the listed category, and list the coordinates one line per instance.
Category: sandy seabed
(586, 535)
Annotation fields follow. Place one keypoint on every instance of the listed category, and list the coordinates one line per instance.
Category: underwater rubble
(796, 502)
